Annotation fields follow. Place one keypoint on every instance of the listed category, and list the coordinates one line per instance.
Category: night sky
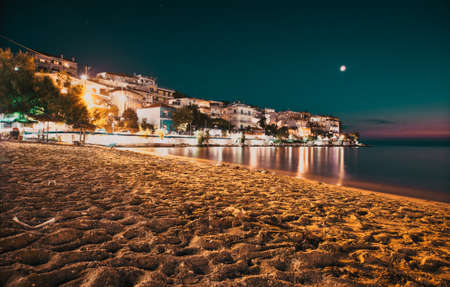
(280, 54)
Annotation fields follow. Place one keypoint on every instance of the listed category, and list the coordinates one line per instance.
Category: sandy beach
(118, 218)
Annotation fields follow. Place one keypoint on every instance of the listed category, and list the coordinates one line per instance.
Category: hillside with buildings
(155, 106)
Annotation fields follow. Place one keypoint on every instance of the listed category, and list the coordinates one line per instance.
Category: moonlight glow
(342, 68)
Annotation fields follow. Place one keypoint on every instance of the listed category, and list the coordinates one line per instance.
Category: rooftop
(51, 56)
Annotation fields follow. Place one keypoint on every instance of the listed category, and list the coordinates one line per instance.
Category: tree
(184, 116)
(189, 118)
(103, 117)
(49, 103)
(147, 126)
(130, 119)
(283, 132)
(220, 124)
(63, 80)
(21, 90)
(203, 137)
(271, 130)
(16, 83)
(262, 122)
(75, 111)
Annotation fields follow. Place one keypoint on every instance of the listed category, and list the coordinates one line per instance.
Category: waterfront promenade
(118, 218)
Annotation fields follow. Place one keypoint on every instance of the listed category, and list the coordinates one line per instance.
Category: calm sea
(414, 168)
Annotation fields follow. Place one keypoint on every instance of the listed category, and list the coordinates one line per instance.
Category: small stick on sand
(15, 219)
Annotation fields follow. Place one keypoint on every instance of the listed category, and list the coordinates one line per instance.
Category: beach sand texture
(127, 219)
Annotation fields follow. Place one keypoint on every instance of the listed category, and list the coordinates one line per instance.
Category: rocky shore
(91, 216)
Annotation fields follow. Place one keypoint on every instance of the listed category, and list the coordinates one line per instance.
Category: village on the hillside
(135, 110)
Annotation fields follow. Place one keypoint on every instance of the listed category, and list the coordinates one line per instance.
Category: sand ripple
(126, 219)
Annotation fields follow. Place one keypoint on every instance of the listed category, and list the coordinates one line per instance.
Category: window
(249, 113)
(242, 112)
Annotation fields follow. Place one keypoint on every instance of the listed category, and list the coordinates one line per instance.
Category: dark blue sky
(280, 54)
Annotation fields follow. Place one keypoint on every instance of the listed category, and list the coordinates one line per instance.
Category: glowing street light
(16, 68)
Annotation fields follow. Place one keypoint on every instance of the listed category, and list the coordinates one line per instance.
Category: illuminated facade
(142, 85)
(159, 115)
(95, 94)
(50, 64)
(326, 124)
(125, 99)
(242, 116)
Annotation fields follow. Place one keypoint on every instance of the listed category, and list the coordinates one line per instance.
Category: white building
(159, 115)
(242, 116)
(143, 85)
(125, 99)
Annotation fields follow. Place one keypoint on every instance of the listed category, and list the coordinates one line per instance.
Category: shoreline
(93, 215)
(136, 140)
(390, 190)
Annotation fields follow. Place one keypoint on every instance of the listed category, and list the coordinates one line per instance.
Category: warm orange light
(88, 100)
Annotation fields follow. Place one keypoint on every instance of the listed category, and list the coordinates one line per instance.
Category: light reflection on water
(394, 168)
(304, 162)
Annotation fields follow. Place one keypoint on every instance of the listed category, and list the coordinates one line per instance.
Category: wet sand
(127, 219)
(411, 193)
